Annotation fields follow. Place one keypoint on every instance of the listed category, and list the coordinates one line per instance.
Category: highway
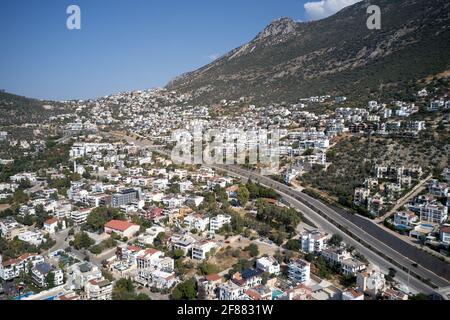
(394, 249)
(377, 245)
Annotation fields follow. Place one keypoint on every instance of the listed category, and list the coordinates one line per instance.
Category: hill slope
(337, 55)
(17, 110)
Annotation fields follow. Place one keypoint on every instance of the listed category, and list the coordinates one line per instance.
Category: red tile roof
(119, 225)
(213, 277)
(51, 221)
(445, 230)
(134, 248)
(253, 295)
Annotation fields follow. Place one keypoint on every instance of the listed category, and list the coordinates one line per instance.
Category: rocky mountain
(338, 55)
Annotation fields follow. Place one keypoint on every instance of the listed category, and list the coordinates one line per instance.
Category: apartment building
(314, 241)
(125, 197)
(335, 255)
(149, 236)
(41, 271)
(148, 258)
(404, 219)
(10, 228)
(35, 238)
(11, 269)
(268, 264)
(230, 291)
(81, 273)
(433, 212)
(79, 217)
(98, 289)
(210, 285)
(196, 221)
(216, 223)
(183, 243)
(299, 271)
(200, 250)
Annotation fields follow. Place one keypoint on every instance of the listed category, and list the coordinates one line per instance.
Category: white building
(185, 186)
(313, 241)
(217, 222)
(200, 250)
(81, 273)
(299, 271)
(41, 271)
(445, 235)
(148, 258)
(150, 235)
(160, 184)
(372, 283)
(32, 237)
(405, 219)
(197, 222)
(98, 289)
(352, 266)
(352, 294)
(12, 268)
(51, 225)
(79, 217)
(183, 243)
(157, 279)
(433, 212)
(230, 291)
(195, 200)
(335, 255)
(268, 264)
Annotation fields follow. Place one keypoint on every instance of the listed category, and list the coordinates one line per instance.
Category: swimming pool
(276, 294)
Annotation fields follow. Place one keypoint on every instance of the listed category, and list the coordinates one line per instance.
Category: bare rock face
(277, 28)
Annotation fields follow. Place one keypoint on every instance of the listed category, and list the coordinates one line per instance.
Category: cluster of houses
(144, 187)
(425, 217)
(385, 187)
(272, 280)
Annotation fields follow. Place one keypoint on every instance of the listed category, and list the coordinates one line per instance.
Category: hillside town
(99, 215)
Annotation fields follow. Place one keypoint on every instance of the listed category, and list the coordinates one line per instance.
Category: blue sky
(124, 44)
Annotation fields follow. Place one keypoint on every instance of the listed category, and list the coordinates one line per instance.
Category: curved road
(385, 250)
(394, 250)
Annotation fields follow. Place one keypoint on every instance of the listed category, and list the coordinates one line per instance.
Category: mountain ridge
(288, 60)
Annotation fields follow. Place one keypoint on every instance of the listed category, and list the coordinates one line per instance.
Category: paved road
(378, 246)
(393, 248)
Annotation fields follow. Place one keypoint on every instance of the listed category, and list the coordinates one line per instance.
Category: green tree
(242, 195)
(159, 240)
(177, 254)
(50, 279)
(186, 290)
(82, 241)
(252, 250)
(20, 197)
(293, 245)
(335, 240)
(100, 216)
(206, 268)
(123, 290)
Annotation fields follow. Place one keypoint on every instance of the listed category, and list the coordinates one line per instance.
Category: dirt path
(418, 188)
(3, 207)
